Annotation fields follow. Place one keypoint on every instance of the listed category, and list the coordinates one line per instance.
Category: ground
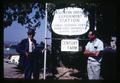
(11, 71)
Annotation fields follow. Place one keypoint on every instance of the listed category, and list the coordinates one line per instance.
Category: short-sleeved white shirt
(96, 45)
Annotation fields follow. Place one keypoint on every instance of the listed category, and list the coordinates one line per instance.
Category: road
(11, 71)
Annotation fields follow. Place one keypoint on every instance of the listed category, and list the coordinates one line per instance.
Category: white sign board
(70, 21)
(69, 45)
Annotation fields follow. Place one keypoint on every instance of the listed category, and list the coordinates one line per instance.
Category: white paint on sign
(69, 45)
(70, 21)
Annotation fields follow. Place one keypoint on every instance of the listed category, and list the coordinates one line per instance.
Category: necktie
(33, 47)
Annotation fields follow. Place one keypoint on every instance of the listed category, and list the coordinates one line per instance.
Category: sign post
(45, 52)
(70, 21)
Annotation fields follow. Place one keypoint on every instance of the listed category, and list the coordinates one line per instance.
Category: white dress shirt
(31, 45)
(96, 45)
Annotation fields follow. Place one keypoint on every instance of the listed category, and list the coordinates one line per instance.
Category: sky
(16, 32)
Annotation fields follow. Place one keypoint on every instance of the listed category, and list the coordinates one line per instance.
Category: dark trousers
(32, 67)
(108, 65)
(21, 64)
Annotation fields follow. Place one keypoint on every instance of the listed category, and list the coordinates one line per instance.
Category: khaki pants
(93, 70)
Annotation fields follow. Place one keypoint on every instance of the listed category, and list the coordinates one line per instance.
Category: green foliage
(19, 12)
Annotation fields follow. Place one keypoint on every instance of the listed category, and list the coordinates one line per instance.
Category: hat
(31, 31)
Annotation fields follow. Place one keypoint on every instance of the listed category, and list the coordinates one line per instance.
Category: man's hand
(26, 54)
(96, 53)
(43, 50)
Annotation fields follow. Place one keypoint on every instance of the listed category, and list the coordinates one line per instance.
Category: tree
(20, 12)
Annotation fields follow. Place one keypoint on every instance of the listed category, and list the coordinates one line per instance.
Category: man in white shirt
(92, 50)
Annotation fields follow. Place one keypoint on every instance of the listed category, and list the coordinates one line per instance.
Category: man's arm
(91, 53)
(19, 47)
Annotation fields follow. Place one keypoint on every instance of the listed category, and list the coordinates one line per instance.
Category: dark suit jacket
(23, 46)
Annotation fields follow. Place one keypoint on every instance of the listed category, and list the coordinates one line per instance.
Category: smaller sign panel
(69, 45)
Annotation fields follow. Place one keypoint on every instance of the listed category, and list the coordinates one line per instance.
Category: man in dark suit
(28, 60)
(108, 64)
